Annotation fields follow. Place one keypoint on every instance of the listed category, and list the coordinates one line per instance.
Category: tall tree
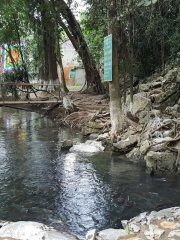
(48, 68)
(74, 33)
(116, 113)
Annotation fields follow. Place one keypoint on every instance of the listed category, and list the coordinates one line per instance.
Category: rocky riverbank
(164, 224)
(151, 130)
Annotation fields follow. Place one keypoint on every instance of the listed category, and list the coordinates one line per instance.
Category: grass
(75, 87)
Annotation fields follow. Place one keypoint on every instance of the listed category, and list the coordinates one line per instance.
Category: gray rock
(144, 117)
(103, 136)
(174, 233)
(67, 144)
(134, 155)
(140, 103)
(155, 113)
(89, 146)
(112, 234)
(138, 219)
(159, 163)
(144, 223)
(91, 235)
(170, 75)
(93, 136)
(87, 130)
(124, 145)
(171, 110)
(168, 133)
(127, 134)
(155, 231)
(165, 213)
(144, 87)
(167, 121)
(156, 98)
(144, 146)
(134, 228)
(32, 231)
(124, 223)
(95, 125)
(161, 140)
(156, 84)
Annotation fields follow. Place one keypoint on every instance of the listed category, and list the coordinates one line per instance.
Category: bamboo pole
(25, 84)
(28, 84)
(27, 102)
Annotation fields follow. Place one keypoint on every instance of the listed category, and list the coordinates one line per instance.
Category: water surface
(71, 192)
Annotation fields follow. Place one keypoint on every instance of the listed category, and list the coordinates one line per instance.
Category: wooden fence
(28, 87)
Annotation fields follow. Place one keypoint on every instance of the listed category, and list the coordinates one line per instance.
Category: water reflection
(72, 192)
(81, 192)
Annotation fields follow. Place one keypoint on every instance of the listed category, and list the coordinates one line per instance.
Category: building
(73, 69)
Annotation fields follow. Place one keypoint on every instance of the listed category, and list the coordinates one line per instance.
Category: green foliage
(13, 21)
(105, 87)
(94, 32)
(158, 35)
(20, 74)
(152, 25)
(127, 229)
(76, 87)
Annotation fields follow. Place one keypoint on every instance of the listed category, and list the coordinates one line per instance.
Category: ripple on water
(70, 191)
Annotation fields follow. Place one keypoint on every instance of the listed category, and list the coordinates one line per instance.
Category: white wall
(69, 54)
(80, 76)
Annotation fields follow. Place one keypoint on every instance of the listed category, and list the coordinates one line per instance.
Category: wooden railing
(28, 87)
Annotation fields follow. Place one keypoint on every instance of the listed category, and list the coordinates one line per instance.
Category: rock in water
(87, 147)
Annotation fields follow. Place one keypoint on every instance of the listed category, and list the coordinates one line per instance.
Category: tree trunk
(131, 53)
(76, 37)
(67, 103)
(117, 117)
(50, 67)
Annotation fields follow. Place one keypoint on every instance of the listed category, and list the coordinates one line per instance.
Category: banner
(14, 51)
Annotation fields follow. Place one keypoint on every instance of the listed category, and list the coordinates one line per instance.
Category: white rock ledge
(32, 231)
(162, 225)
(88, 147)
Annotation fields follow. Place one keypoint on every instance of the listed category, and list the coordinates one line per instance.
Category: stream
(69, 191)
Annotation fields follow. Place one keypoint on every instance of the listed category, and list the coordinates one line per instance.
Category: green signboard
(108, 58)
(72, 74)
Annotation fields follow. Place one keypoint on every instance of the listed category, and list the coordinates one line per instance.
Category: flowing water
(71, 192)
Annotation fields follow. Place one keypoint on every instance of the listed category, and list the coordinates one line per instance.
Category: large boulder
(160, 163)
(111, 234)
(67, 144)
(89, 146)
(127, 144)
(170, 79)
(134, 155)
(32, 231)
(144, 87)
(92, 127)
(141, 102)
(144, 117)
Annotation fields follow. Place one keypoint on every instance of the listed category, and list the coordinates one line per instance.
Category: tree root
(164, 125)
(177, 138)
